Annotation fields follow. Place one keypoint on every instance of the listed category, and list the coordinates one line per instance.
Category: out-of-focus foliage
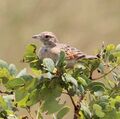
(96, 98)
(78, 23)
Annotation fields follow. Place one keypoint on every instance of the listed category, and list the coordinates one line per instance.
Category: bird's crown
(48, 38)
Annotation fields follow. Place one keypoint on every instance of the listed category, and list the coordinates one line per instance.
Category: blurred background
(84, 24)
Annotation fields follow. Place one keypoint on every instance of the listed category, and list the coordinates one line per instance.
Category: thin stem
(111, 94)
(29, 112)
(37, 117)
(38, 112)
(106, 73)
(76, 108)
(114, 91)
(72, 101)
(67, 93)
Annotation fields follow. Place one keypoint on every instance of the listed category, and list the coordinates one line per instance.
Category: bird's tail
(91, 57)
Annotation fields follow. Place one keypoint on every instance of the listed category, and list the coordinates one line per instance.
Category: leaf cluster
(97, 98)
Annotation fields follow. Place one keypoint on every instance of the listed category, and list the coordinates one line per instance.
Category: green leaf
(97, 107)
(94, 64)
(96, 86)
(99, 113)
(99, 94)
(112, 115)
(82, 81)
(23, 102)
(114, 101)
(81, 115)
(12, 116)
(30, 53)
(118, 47)
(62, 112)
(51, 106)
(15, 83)
(101, 67)
(110, 47)
(98, 110)
(36, 72)
(12, 69)
(36, 64)
(30, 83)
(30, 49)
(118, 60)
(5, 75)
(50, 98)
(20, 93)
(86, 109)
(3, 104)
(3, 64)
(61, 61)
(116, 53)
(23, 72)
(34, 97)
(49, 64)
(81, 89)
(47, 75)
(70, 79)
(8, 99)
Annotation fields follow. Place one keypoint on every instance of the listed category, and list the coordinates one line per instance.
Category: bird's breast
(52, 53)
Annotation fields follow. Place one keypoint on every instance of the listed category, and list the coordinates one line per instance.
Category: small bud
(55, 70)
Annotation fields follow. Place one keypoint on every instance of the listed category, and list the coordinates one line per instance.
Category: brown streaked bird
(52, 48)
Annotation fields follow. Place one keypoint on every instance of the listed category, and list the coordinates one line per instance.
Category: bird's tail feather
(91, 57)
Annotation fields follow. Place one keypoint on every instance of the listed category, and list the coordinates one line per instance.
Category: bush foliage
(97, 98)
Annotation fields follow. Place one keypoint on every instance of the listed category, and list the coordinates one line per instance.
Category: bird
(52, 47)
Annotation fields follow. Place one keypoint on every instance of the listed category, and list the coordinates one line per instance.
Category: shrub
(97, 98)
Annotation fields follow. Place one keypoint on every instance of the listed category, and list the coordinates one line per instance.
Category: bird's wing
(74, 53)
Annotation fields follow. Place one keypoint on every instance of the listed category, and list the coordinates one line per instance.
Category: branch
(106, 73)
(29, 112)
(76, 107)
(38, 112)
(67, 93)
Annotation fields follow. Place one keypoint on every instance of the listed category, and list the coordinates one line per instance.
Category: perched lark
(52, 49)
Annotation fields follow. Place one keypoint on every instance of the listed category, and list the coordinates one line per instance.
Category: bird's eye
(47, 36)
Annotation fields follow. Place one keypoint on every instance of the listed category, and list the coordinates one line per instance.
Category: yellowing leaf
(110, 47)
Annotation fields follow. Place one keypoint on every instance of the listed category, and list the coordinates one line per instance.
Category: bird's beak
(35, 36)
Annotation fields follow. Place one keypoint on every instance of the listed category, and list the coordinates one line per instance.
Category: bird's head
(48, 38)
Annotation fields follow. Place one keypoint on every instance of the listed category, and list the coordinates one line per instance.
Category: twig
(67, 93)
(38, 112)
(6, 92)
(29, 112)
(106, 73)
(72, 101)
(76, 107)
